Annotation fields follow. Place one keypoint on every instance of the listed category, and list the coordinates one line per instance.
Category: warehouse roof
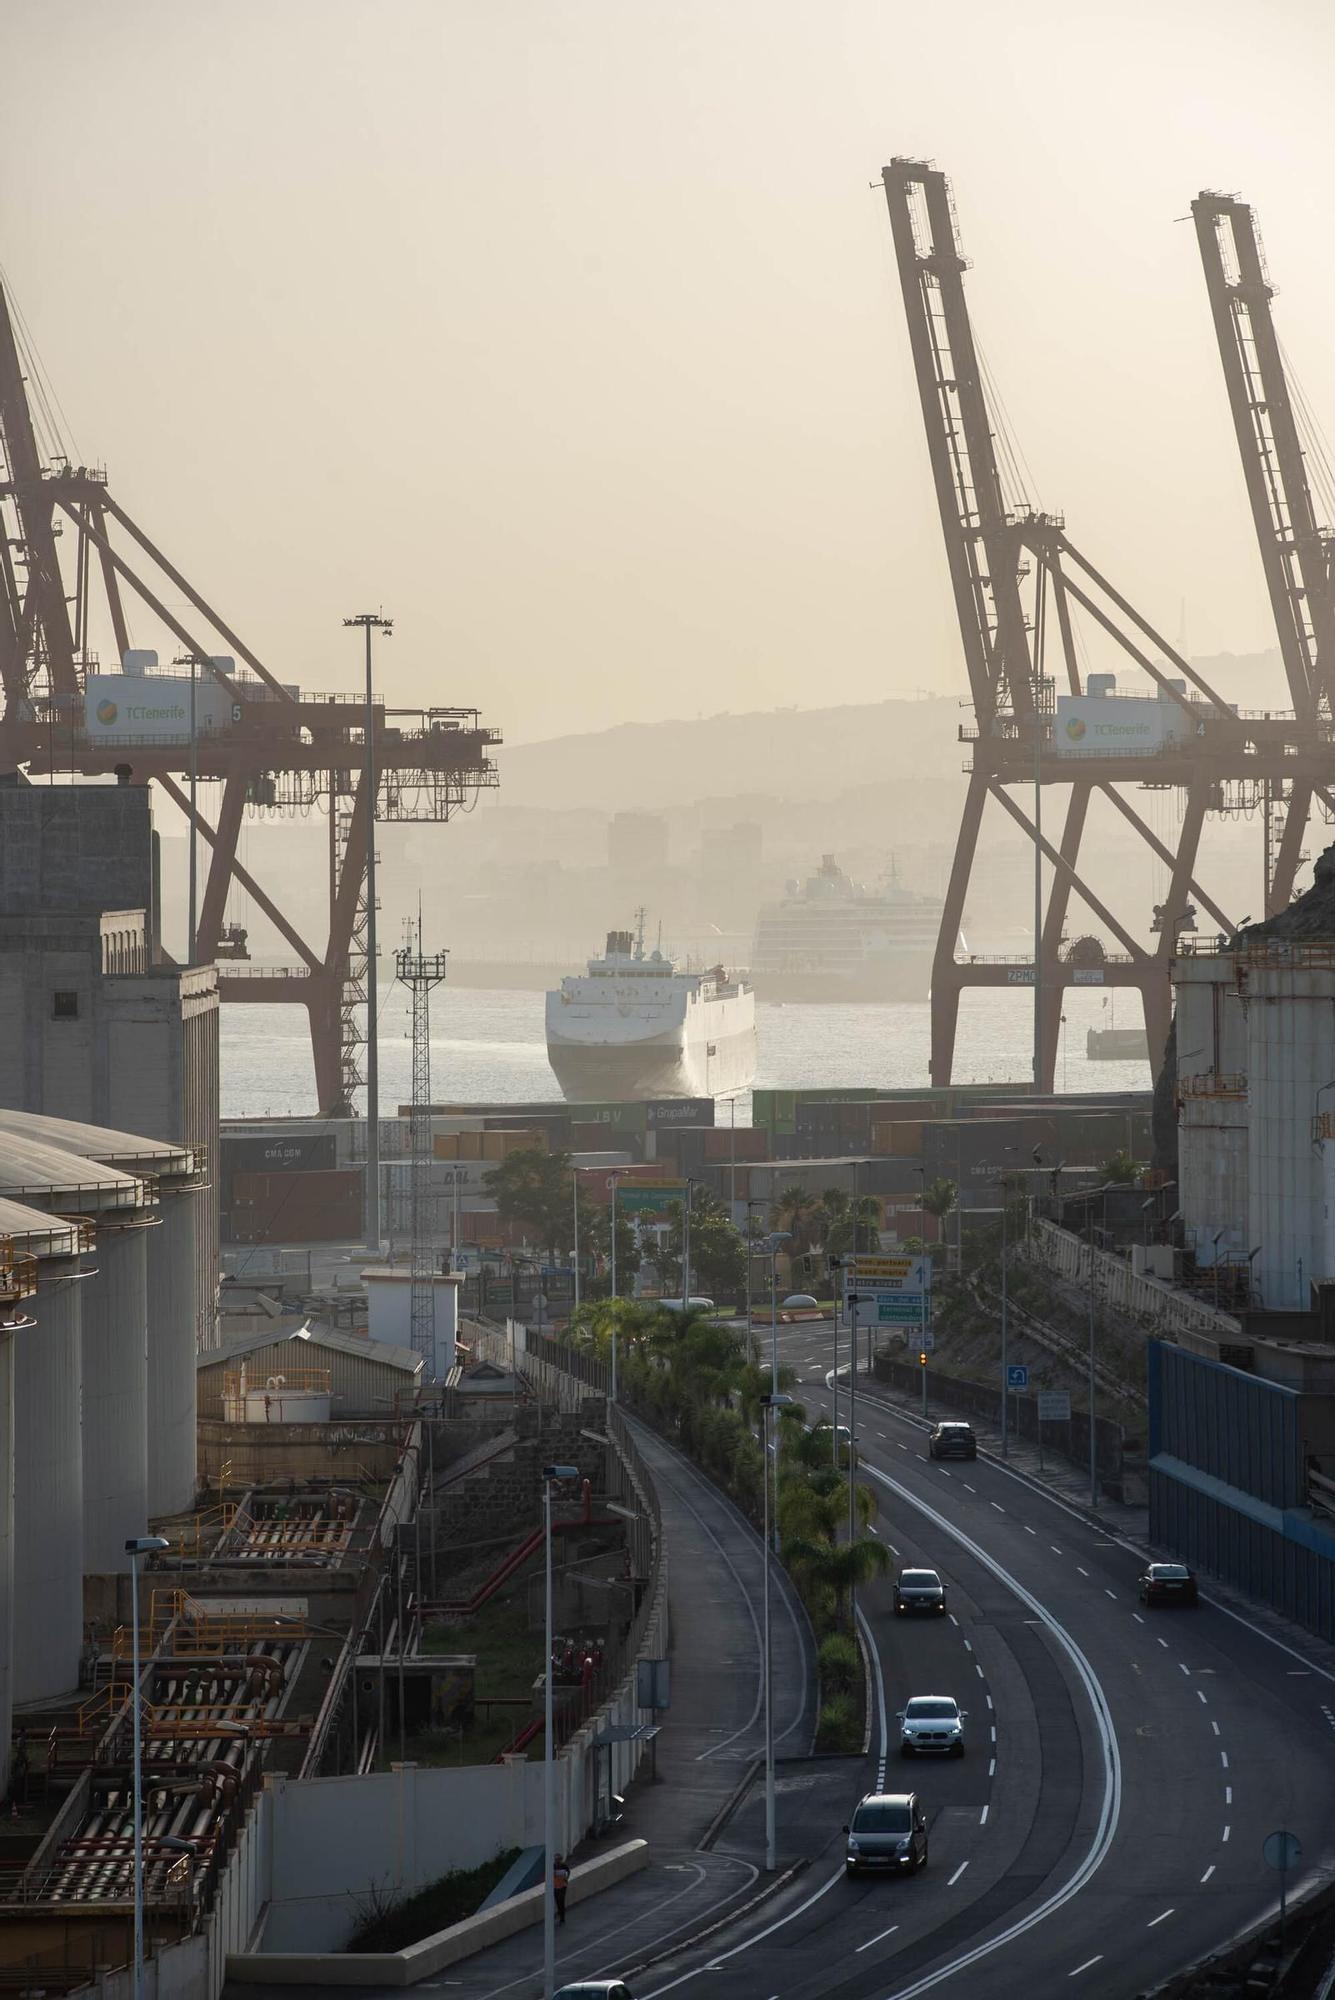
(326, 1338)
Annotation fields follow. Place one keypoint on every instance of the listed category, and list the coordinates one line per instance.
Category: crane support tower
(1025, 599)
(74, 568)
(419, 973)
(1296, 549)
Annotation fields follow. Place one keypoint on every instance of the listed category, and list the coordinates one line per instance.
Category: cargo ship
(634, 1026)
(830, 938)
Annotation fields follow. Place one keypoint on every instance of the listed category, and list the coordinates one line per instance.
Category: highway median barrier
(431, 1955)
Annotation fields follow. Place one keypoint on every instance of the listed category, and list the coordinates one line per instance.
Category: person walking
(560, 1883)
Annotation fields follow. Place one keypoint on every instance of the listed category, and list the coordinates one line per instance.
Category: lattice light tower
(420, 973)
(74, 569)
(1020, 587)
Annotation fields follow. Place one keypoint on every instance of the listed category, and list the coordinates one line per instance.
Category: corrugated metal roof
(378, 1351)
(98, 1142)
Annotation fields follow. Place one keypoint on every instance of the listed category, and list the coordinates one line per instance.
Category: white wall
(389, 1303)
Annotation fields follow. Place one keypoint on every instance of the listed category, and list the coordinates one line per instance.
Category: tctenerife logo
(1075, 728)
(107, 712)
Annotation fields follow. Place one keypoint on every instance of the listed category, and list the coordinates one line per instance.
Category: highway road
(1104, 1828)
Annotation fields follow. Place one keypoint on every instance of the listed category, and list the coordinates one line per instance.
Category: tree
(795, 1209)
(847, 1225)
(533, 1188)
(835, 1568)
(718, 1254)
(595, 1239)
(939, 1197)
(1121, 1170)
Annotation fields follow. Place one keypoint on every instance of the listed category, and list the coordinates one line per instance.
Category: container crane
(71, 562)
(1018, 581)
(1296, 550)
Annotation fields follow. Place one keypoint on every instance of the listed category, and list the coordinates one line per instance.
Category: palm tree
(795, 1210)
(838, 1567)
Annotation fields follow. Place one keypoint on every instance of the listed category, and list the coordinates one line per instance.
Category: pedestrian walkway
(708, 1745)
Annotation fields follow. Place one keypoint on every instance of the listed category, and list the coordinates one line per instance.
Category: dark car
(953, 1441)
(1168, 1583)
(919, 1590)
(887, 1832)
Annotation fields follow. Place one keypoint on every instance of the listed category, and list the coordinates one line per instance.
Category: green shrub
(840, 1664)
(393, 1924)
(840, 1725)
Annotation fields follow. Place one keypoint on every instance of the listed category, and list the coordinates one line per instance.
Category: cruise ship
(634, 1026)
(831, 938)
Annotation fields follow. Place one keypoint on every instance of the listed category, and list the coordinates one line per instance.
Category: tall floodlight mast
(1296, 550)
(1017, 581)
(419, 973)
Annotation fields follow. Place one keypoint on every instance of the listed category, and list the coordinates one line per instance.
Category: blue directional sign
(1017, 1376)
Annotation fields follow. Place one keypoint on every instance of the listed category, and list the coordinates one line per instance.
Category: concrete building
(97, 1025)
(1255, 1037)
(366, 1378)
(389, 1294)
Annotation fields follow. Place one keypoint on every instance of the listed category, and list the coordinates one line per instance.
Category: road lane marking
(1214, 1725)
(877, 1939)
(1223, 1758)
(968, 1645)
(968, 1488)
(1028, 1530)
(1228, 1795)
(1083, 1572)
(953, 1619)
(1202, 1696)
(1139, 1620)
(956, 1876)
(1097, 1960)
(1183, 1670)
(1164, 1644)
(992, 1765)
(880, 1697)
(1055, 1550)
(978, 1670)
(1110, 1593)
(1159, 1919)
(1110, 1802)
(944, 1474)
(994, 1732)
(746, 1943)
(1227, 1831)
(1208, 1873)
(1001, 1510)
(988, 1700)
(982, 1817)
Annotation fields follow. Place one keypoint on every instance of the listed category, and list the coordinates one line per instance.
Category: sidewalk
(707, 1750)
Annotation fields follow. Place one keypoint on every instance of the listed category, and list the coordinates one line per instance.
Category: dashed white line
(877, 1939)
(968, 1488)
(1097, 1960)
(1228, 1795)
(956, 1876)
(944, 1474)
(992, 1764)
(1001, 1510)
(1110, 1593)
(1083, 1572)
(1183, 1670)
(899, 1446)
(1139, 1620)
(1162, 1642)
(1028, 1530)
(1214, 1725)
(968, 1645)
(953, 1619)
(994, 1732)
(1202, 1696)
(978, 1670)
(1226, 1832)
(982, 1817)
(1208, 1873)
(1223, 1758)
(1055, 1550)
(1159, 1919)
(988, 1699)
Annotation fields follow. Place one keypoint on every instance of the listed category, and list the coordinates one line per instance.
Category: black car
(953, 1440)
(919, 1590)
(888, 1831)
(1167, 1583)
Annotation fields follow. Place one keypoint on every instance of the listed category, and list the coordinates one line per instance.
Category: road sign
(1054, 1406)
(1017, 1376)
(1282, 1850)
(887, 1274)
(920, 1340)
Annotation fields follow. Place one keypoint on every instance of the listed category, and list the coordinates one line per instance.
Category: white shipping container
(1102, 725)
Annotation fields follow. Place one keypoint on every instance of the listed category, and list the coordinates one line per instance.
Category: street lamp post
(612, 1180)
(768, 1404)
(836, 1267)
(140, 1545)
(574, 1196)
(686, 1247)
(550, 1473)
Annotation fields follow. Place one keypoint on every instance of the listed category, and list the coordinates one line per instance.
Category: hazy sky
(569, 329)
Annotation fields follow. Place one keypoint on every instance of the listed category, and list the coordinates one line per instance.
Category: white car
(932, 1724)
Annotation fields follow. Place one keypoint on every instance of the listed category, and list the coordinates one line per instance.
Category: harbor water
(489, 1048)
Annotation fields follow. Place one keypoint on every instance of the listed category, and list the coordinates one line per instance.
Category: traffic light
(922, 1360)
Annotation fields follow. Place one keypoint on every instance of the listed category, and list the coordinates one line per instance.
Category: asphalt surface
(1123, 1767)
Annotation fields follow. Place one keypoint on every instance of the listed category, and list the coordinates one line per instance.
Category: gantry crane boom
(981, 549)
(1295, 550)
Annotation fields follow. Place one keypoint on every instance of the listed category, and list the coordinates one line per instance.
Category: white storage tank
(1290, 1008)
(110, 1376)
(297, 1396)
(172, 1251)
(47, 1505)
(25, 1237)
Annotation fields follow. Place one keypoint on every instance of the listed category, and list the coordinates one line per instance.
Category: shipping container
(318, 1207)
(276, 1153)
